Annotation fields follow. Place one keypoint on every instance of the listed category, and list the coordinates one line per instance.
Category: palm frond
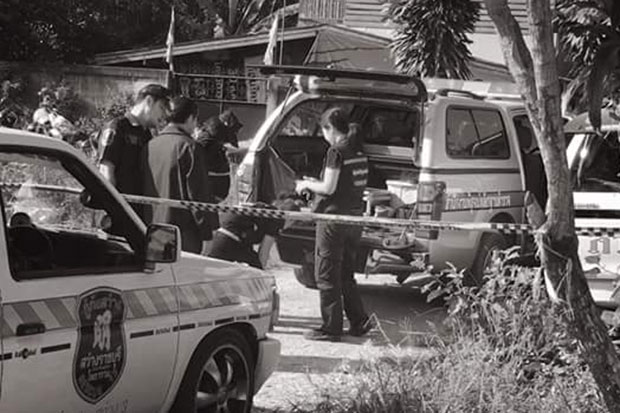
(604, 63)
(432, 36)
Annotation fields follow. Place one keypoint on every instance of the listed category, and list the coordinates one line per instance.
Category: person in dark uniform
(233, 125)
(174, 169)
(235, 238)
(339, 191)
(211, 138)
(122, 140)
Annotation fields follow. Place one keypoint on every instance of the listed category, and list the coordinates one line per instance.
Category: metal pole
(282, 42)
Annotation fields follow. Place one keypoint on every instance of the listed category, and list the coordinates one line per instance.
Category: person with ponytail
(339, 191)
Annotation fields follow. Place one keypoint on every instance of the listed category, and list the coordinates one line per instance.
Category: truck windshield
(594, 162)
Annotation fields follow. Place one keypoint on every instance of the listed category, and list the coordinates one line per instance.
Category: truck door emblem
(100, 352)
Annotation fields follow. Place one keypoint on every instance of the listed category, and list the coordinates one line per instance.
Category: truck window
(476, 134)
(595, 162)
(391, 127)
(525, 133)
(300, 142)
(50, 231)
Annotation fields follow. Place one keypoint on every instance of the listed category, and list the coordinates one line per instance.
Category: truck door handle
(29, 329)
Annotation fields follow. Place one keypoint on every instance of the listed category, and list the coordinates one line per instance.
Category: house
(220, 73)
(370, 16)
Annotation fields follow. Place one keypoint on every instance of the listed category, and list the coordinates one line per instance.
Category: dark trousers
(191, 240)
(335, 255)
(226, 248)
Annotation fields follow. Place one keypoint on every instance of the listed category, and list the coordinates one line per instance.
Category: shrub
(504, 350)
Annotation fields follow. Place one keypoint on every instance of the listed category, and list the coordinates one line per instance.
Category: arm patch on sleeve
(334, 159)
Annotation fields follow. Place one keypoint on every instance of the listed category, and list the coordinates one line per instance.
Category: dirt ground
(307, 367)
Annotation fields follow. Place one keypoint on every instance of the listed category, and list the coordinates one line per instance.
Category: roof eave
(180, 49)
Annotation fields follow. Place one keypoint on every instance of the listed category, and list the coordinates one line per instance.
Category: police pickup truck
(100, 314)
(437, 151)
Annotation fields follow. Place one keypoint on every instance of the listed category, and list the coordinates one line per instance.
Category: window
(300, 142)
(595, 164)
(50, 230)
(525, 134)
(391, 127)
(476, 133)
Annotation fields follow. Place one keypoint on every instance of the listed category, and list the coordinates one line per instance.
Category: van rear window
(476, 133)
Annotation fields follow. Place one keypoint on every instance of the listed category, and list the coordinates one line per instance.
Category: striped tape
(370, 222)
(60, 313)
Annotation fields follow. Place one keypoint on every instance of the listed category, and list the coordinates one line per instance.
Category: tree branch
(516, 54)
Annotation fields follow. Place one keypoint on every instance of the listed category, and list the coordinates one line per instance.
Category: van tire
(225, 355)
(489, 243)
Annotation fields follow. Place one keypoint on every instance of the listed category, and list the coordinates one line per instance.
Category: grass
(502, 349)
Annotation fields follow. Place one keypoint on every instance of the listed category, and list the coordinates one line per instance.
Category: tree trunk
(537, 78)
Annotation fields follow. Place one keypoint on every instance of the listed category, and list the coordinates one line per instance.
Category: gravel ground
(306, 368)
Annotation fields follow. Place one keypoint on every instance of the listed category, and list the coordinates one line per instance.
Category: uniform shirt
(174, 169)
(352, 180)
(218, 168)
(121, 144)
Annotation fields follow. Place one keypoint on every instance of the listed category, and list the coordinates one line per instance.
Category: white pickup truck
(438, 149)
(100, 314)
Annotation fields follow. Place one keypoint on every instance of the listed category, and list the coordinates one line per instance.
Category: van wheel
(219, 376)
(489, 243)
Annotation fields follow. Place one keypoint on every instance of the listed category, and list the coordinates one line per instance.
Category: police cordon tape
(371, 222)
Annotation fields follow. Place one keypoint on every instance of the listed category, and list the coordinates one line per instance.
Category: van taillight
(429, 205)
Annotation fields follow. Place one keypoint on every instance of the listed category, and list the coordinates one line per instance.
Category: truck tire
(219, 376)
(489, 243)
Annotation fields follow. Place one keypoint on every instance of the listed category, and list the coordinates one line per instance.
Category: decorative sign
(101, 352)
(220, 82)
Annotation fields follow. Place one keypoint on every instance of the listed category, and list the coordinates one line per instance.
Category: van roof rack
(466, 93)
(334, 74)
(476, 89)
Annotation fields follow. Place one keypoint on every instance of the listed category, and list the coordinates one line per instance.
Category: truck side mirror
(163, 243)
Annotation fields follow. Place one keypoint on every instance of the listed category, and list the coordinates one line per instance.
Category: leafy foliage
(431, 36)
(589, 33)
(72, 31)
(504, 350)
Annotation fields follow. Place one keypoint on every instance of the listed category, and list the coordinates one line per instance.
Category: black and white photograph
(309, 206)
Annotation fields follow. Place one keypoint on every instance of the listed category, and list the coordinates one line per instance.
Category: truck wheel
(489, 243)
(219, 376)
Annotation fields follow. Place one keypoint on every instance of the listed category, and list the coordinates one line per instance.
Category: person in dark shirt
(174, 169)
(218, 138)
(233, 125)
(339, 191)
(234, 240)
(122, 140)
(211, 138)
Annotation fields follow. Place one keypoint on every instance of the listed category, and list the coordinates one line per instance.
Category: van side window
(476, 133)
(391, 127)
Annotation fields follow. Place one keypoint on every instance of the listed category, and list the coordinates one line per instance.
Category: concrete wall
(95, 85)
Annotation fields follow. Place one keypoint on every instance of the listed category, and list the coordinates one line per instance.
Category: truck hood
(192, 268)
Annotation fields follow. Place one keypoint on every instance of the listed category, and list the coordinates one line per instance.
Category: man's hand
(235, 155)
(301, 185)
